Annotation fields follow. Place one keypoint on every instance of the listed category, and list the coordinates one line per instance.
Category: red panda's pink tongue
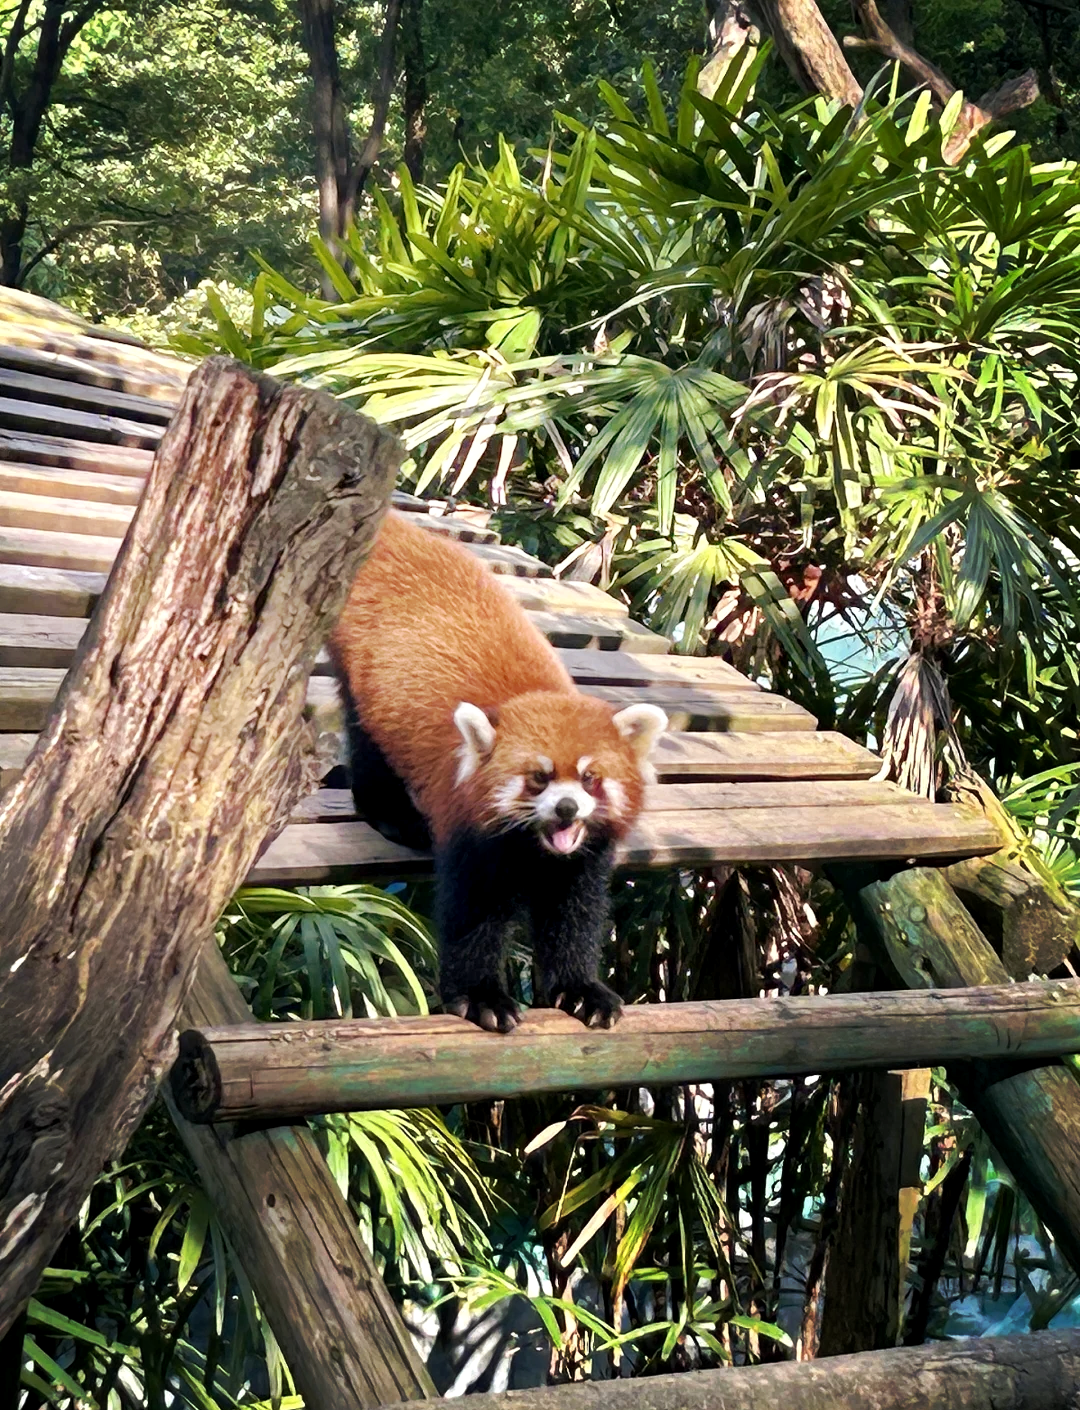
(566, 839)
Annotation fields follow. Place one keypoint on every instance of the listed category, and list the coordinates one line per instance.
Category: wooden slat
(44, 548)
(28, 641)
(49, 593)
(604, 632)
(462, 532)
(553, 595)
(351, 851)
(55, 391)
(88, 348)
(275, 1072)
(53, 480)
(692, 710)
(73, 454)
(738, 756)
(66, 516)
(26, 697)
(85, 425)
(331, 805)
(110, 376)
(505, 558)
(14, 752)
(622, 668)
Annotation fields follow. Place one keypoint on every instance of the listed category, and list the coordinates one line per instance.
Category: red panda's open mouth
(564, 840)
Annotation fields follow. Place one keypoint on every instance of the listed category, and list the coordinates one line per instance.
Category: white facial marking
(583, 764)
(615, 794)
(477, 736)
(544, 765)
(507, 794)
(546, 802)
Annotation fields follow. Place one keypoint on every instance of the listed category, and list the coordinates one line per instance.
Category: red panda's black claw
(488, 1007)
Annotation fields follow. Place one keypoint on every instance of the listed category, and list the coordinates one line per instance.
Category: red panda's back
(425, 627)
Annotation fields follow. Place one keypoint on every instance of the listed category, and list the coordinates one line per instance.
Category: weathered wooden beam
(918, 925)
(298, 1242)
(1029, 928)
(173, 747)
(288, 1071)
(1039, 1371)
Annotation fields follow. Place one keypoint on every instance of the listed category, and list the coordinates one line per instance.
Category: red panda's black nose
(566, 810)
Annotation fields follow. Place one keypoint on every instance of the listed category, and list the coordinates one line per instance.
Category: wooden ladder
(745, 778)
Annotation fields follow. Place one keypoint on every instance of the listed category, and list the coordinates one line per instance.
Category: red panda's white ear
(477, 738)
(639, 725)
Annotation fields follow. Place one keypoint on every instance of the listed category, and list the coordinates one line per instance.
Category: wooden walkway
(745, 776)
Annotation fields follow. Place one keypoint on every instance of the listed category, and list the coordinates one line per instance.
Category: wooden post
(1038, 1371)
(920, 928)
(341, 1334)
(287, 1071)
(168, 755)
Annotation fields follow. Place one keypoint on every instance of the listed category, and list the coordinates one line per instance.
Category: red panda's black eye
(537, 781)
(590, 781)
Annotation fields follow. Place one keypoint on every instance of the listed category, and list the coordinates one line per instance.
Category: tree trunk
(166, 758)
(361, 168)
(328, 113)
(416, 88)
(808, 47)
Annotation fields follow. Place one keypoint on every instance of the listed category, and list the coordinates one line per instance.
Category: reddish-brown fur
(427, 626)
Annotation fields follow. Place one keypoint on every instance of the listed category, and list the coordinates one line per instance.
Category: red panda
(465, 729)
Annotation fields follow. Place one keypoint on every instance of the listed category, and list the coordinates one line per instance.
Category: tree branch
(361, 168)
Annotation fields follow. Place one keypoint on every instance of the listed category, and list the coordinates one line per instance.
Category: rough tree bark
(165, 760)
(341, 173)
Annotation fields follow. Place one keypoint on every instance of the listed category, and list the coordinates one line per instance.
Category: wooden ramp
(745, 776)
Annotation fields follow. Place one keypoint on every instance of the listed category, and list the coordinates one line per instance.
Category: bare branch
(361, 168)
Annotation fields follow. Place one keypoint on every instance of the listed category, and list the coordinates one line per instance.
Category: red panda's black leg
(570, 920)
(477, 905)
(380, 796)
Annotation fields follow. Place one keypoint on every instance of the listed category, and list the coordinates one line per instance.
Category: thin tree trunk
(170, 751)
(327, 113)
(361, 168)
(416, 88)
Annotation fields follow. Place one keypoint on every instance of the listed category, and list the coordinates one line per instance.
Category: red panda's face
(565, 767)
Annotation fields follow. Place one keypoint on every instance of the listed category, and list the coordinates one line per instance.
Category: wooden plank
(461, 532)
(738, 756)
(625, 669)
(66, 516)
(69, 484)
(48, 592)
(56, 391)
(26, 696)
(352, 851)
(603, 632)
(73, 454)
(84, 346)
(298, 1242)
(28, 641)
(14, 752)
(275, 1072)
(505, 558)
(85, 425)
(110, 376)
(336, 804)
(692, 710)
(556, 595)
(45, 548)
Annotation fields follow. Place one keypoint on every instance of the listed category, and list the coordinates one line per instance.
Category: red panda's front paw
(594, 1003)
(489, 1006)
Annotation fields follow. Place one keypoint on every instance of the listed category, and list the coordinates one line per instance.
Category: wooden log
(288, 1071)
(1039, 1371)
(172, 748)
(298, 1242)
(1029, 930)
(919, 926)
